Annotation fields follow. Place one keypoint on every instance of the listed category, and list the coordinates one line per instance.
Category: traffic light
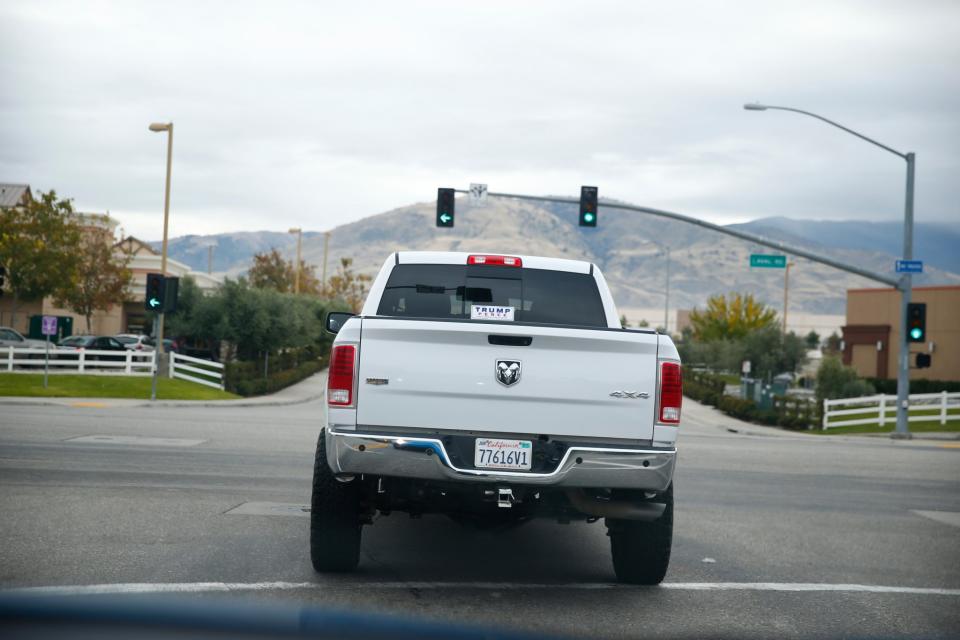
(923, 360)
(171, 286)
(917, 322)
(445, 207)
(156, 291)
(588, 206)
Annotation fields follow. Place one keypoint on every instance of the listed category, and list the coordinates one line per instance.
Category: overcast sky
(315, 114)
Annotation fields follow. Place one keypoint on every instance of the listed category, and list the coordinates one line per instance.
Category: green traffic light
(588, 217)
(916, 333)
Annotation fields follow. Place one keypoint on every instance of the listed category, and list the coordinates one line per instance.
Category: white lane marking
(195, 587)
(946, 517)
(270, 509)
(137, 440)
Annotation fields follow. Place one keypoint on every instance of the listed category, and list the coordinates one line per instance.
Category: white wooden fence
(882, 409)
(131, 363)
(205, 372)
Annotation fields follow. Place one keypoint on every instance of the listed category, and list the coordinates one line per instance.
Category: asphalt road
(775, 536)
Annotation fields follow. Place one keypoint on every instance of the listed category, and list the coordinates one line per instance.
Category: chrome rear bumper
(427, 459)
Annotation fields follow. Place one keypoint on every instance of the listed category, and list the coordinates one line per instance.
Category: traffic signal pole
(159, 352)
(906, 290)
(903, 284)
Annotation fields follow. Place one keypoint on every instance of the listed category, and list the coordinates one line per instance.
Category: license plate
(493, 453)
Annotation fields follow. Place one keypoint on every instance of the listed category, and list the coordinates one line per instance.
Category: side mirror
(336, 320)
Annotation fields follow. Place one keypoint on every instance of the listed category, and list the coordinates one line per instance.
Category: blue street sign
(909, 266)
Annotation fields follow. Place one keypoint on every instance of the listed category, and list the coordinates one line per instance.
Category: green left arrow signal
(445, 218)
(154, 303)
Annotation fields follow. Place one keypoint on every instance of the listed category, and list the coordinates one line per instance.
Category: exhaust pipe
(618, 510)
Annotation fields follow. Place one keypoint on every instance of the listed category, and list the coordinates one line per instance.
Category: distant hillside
(232, 252)
(702, 262)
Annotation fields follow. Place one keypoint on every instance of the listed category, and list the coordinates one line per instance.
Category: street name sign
(48, 326)
(768, 261)
(909, 266)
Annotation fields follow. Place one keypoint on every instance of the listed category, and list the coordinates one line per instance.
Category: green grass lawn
(953, 422)
(98, 386)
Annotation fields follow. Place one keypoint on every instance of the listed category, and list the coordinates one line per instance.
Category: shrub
(889, 387)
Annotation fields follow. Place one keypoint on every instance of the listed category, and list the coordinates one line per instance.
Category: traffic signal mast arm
(749, 237)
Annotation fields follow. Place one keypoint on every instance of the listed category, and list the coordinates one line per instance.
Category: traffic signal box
(170, 289)
(156, 291)
(917, 322)
(161, 294)
(445, 207)
(588, 206)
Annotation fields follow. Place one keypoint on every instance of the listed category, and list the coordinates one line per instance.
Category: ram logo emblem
(507, 372)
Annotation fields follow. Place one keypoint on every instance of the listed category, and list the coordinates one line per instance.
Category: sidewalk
(311, 388)
(709, 415)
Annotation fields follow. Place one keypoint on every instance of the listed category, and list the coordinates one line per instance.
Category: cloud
(310, 114)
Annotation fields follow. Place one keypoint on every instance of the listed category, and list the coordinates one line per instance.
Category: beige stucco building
(871, 336)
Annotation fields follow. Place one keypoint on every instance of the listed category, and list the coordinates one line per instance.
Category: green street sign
(768, 261)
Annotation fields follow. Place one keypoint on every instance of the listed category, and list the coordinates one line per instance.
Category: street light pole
(296, 282)
(326, 245)
(159, 351)
(905, 284)
(666, 297)
(786, 294)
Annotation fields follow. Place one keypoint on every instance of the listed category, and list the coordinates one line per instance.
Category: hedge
(889, 387)
(246, 378)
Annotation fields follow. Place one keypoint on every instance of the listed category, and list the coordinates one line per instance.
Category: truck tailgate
(444, 375)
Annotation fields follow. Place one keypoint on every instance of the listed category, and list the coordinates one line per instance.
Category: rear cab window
(447, 292)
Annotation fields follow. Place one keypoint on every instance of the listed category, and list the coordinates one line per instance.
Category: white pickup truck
(497, 388)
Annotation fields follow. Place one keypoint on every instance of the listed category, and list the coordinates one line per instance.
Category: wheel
(641, 550)
(334, 518)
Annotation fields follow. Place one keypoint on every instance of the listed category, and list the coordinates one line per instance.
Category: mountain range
(627, 246)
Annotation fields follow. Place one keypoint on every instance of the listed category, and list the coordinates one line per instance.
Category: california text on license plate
(493, 453)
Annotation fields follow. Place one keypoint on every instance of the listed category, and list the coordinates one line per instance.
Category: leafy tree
(349, 286)
(39, 246)
(102, 277)
(731, 317)
(770, 352)
(812, 340)
(272, 271)
(643, 324)
(623, 321)
(832, 344)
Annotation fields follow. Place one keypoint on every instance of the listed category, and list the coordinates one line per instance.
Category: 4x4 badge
(507, 372)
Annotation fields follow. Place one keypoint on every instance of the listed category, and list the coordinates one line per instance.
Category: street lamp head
(159, 126)
(294, 230)
(753, 106)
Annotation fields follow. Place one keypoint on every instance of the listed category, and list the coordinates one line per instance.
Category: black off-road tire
(334, 518)
(641, 550)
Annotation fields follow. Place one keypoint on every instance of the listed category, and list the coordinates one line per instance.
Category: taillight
(502, 261)
(340, 377)
(671, 392)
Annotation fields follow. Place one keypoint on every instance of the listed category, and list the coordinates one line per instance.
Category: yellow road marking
(97, 405)
(950, 446)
